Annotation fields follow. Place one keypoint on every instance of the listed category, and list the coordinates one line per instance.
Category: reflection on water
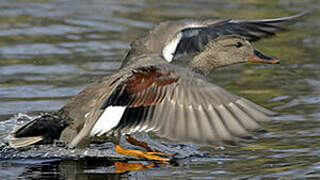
(50, 50)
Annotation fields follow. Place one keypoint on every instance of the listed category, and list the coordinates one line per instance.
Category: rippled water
(50, 50)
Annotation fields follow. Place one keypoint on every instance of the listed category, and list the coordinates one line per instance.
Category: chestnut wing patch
(146, 86)
(129, 103)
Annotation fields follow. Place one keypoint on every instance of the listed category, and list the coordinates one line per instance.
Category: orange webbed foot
(141, 154)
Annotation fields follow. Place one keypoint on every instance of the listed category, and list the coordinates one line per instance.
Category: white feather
(168, 50)
(109, 119)
(194, 25)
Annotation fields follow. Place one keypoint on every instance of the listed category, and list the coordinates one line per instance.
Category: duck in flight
(174, 102)
(148, 94)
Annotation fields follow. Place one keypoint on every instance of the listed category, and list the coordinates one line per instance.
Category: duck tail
(42, 130)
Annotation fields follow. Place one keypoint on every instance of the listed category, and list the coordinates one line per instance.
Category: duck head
(228, 50)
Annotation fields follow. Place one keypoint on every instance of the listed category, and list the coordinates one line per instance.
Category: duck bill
(258, 57)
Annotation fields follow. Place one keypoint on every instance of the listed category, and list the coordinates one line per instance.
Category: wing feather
(230, 122)
(207, 130)
(220, 128)
(181, 105)
(194, 38)
(245, 120)
(254, 113)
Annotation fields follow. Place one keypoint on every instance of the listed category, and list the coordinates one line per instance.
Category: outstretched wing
(194, 38)
(180, 105)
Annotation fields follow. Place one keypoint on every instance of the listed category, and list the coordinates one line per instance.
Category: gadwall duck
(166, 41)
(177, 103)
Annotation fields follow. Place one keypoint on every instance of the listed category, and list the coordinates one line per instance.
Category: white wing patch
(109, 119)
(168, 50)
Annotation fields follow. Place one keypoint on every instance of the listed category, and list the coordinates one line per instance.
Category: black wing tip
(260, 131)
(302, 14)
(232, 143)
(296, 16)
(278, 20)
(249, 137)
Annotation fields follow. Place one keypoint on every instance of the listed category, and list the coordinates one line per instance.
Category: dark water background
(51, 49)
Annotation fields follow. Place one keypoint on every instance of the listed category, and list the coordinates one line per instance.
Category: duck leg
(141, 154)
(137, 153)
(135, 142)
(144, 145)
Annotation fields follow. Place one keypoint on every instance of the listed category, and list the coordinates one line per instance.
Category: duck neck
(203, 63)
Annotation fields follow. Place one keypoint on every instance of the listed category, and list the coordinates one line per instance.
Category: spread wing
(194, 38)
(180, 105)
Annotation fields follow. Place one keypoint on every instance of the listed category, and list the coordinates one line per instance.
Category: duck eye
(238, 44)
